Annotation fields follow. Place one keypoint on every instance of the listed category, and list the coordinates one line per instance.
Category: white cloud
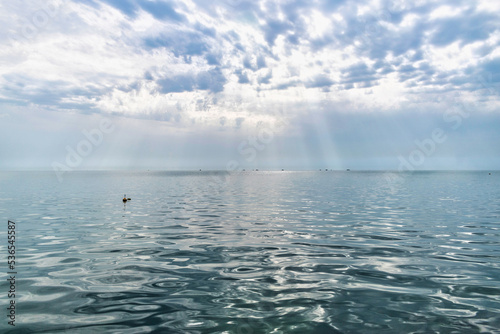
(106, 49)
(192, 64)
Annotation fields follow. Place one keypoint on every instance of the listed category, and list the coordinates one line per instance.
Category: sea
(251, 252)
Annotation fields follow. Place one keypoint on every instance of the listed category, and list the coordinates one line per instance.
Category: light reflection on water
(256, 252)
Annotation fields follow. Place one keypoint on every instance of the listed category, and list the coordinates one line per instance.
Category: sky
(234, 84)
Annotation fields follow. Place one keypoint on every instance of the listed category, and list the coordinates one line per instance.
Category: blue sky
(250, 84)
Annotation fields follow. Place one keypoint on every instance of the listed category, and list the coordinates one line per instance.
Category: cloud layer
(239, 64)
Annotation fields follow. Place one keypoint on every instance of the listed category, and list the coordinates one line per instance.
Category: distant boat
(348, 170)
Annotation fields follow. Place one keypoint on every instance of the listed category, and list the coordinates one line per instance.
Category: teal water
(253, 252)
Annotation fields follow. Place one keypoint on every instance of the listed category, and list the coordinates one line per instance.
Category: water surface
(255, 252)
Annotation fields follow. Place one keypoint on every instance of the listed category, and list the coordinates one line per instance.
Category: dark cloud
(212, 59)
(25, 90)
(377, 41)
(127, 7)
(180, 43)
(419, 55)
(240, 47)
(293, 38)
(407, 72)
(261, 62)
(484, 50)
(242, 76)
(265, 79)
(358, 73)
(319, 81)
(484, 77)
(247, 63)
(254, 63)
(161, 10)
(411, 39)
(471, 26)
(274, 28)
(177, 84)
(212, 81)
(243, 7)
(382, 67)
(406, 68)
(491, 70)
(330, 6)
(207, 31)
(287, 84)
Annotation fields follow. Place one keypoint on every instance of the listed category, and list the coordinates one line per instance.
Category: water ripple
(259, 253)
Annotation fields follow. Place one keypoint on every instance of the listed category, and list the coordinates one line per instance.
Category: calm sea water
(253, 252)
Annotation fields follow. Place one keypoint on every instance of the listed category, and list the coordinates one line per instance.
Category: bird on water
(125, 199)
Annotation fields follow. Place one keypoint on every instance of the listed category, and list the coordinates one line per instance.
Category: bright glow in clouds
(339, 83)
